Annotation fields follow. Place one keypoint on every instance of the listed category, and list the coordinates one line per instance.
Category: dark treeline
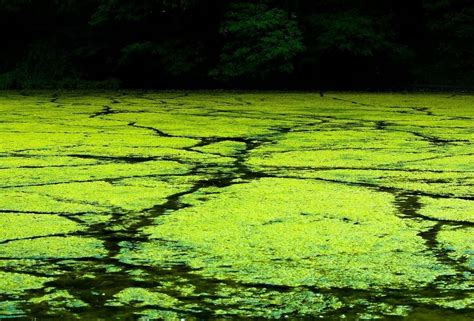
(304, 44)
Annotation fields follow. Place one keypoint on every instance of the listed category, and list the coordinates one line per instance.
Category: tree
(451, 47)
(258, 41)
(348, 46)
(125, 10)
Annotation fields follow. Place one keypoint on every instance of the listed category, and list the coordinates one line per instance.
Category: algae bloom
(212, 205)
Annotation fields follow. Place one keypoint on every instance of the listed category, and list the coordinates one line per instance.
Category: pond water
(228, 205)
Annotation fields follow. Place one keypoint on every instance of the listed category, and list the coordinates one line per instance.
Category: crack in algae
(112, 240)
(376, 187)
(111, 276)
(409, 207)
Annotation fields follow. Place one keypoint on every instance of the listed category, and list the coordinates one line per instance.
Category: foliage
(42, 66)
(126, 10)
(260, 41)
(264, 43)
(452, 27)
(176, 58)
(351, 33)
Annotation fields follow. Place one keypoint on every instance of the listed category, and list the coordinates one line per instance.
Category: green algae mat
(215, 206)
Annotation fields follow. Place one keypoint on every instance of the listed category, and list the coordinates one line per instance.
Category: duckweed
(227, 148)
(312, 240)
(58, 299)
(452, 303)
(18, 226)
(158, 315)
(211, 205)
(16, 283)
(103, 195)
(53, 247)
(275, 305)
(459, 243)
(448, 209)
(143, 297)
(11, 309)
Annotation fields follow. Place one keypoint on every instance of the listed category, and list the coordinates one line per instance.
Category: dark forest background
(305, 44)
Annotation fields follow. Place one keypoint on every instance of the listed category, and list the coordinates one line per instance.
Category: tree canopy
(210, 43)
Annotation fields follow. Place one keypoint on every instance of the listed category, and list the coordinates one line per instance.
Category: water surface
(172, 205)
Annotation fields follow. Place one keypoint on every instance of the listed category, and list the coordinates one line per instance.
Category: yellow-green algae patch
(59, 299)
(11, 309)
(183, 124)
(448, 209)
(368, 138)
(338, 158)
(380, 311)
(87, 136)
(179, 159)
(94, 199)
(54, 247)
(37, 176)
(361, 148)
(143, 297)
(451, 303)
(46, 161)
(23, 201)
(150, 314)
(130, 197)
(292, 232)
(459, 243)
(16, 283)
(33, 266)
(226, 148)
(253, 302)
(18, 226)
(442, 183)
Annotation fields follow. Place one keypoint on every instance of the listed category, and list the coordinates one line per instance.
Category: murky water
(152, 206)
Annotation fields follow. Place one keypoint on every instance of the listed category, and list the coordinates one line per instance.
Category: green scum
(209, 205)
